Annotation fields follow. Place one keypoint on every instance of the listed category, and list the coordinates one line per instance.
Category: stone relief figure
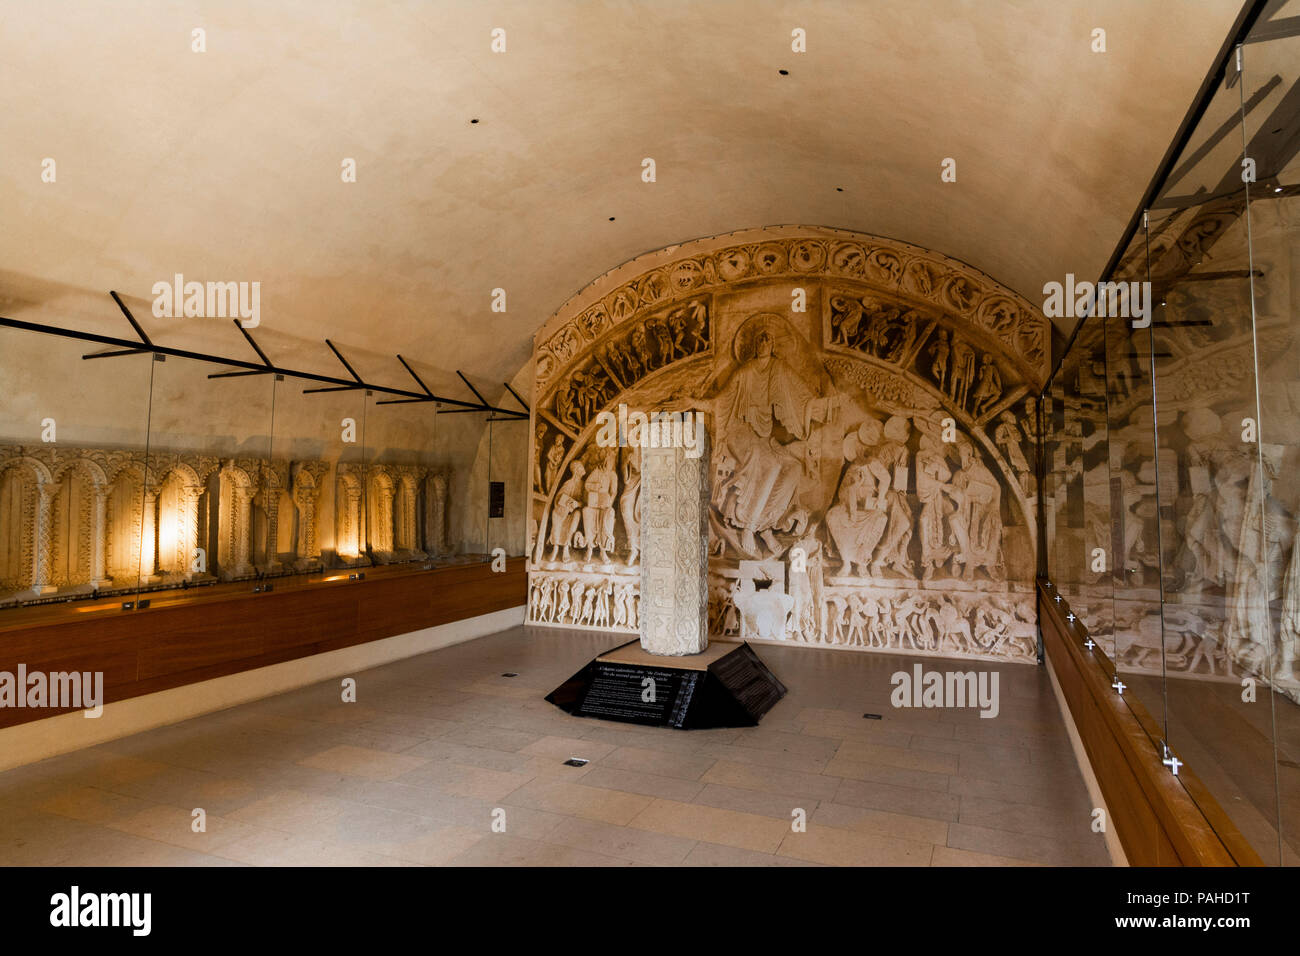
(988, 390)
(545, 600)
(1008, 437)
(857, 520)
(805, 587)
(963, 371)
(938, 505)
(1217, 476)
(763, 613)
(566, 515)
(762, 392)
(554, 462)
(1289, 625)
(980, 514)
(893, 457)
(629, 503)
(940, 350)
(538, 483)
(601, 488)
(563, 603)
(846, 317)
(1257, 579)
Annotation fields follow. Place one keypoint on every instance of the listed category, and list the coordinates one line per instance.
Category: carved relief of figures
(988, 390)
(980, 517)
(629, 503)
(601, 489)
(939, 503)
(940, 350)
(566, 514)
(933, 622)
(583, 601)
(963, 371)
(893, 457)
(858, 518)
(554, 462)
(1008, 437)
(762, 392)
(817, 425)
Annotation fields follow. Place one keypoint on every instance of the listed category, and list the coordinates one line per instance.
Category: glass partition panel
(1067, 467)
(1095, 602)
(1172, 444)
(1221, 544)
(1271, 71)
(72, 440)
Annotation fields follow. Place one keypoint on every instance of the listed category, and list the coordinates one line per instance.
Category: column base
(726, 686)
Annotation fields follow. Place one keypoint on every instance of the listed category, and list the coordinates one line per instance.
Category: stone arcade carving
(75, 520)
(873, 447)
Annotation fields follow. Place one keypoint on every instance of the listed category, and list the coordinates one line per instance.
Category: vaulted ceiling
(225, 165)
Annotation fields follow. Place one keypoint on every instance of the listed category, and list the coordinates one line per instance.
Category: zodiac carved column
(674, 551)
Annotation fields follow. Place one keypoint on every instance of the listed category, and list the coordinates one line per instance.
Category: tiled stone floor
(437, 747)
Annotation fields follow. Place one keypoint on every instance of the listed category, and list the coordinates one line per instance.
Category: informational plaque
(640, 695)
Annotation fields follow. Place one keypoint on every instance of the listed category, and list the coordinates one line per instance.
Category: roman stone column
(435, 531)
(149, 536)
(43, 543)
(187, 504)
(99, 539)
(271, 500)
(674, 550)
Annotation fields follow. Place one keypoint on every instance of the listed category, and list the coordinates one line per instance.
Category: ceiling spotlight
(839, 189)
(611, 218)
(1277, 189)
(474, 120)
(784, 72)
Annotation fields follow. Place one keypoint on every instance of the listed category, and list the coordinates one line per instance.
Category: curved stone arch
(185, 471)
(862, 330)
(88, 467)
(39, 471)
(782, 252)
(31, 570)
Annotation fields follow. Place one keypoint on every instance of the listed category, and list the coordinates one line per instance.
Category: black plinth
(727, 686)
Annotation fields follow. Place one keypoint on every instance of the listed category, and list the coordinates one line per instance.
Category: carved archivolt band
(922, 278)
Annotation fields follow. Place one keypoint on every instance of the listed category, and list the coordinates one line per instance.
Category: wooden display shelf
(1160, 819)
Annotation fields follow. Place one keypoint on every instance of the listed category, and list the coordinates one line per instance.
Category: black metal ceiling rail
(517, 396)
(266, 367)
(1246, 19)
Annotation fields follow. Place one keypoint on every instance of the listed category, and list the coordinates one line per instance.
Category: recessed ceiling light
(784, 72)
(474, 121)
(611, 218)
(839, 189)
